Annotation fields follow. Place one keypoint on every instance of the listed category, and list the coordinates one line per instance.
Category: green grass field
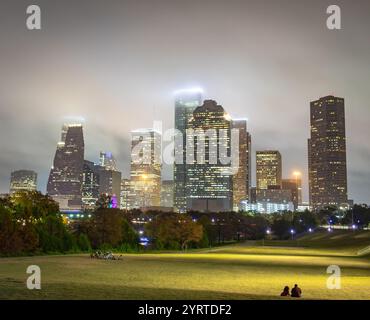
(245, 271)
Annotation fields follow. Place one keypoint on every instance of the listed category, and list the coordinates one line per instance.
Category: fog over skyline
(117, 63)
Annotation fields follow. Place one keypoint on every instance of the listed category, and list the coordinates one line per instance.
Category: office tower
(65, 179)
(185, 103)
(208, 179)
(167, 193)
(125, 194)
(327, 167)
(90, 185)
(268, 169)
(23, 180)
(110, 184)
(109, 178)
(274, 196)
(107, 161)
(253, 195)
(292, 185)
(242, 179)
(266, 207)
(298, 180)
(146, 147)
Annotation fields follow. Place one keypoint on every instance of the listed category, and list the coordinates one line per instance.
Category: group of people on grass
(295, 293)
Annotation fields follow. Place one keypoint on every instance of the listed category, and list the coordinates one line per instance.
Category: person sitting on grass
(285, 292)
(296, 291)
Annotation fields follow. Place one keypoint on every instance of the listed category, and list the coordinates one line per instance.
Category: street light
(264, 236)
(296, 173)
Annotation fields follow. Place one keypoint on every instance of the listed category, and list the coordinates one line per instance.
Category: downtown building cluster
(203, 181)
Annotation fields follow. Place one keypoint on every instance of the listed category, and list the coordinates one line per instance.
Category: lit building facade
(23, 180)
(110, 184)
(145, 176)
(294, 186)
(65, 179)
(186, 101)
(327, 163)
(242, 179)
(209, 184)
(274, 196)
(125, 194)
(266, 207)
(107, 161)
(268, 169)
(90, 185)
(167, 193)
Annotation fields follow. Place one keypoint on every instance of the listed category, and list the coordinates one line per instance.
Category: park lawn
(235, 272)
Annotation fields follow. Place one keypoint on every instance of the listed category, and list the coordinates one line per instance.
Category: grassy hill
(244, 271)
(345, 242)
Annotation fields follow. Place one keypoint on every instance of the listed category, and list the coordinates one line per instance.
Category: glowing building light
(188, 91)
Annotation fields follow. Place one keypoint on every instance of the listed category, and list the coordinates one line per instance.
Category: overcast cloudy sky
(117, 63)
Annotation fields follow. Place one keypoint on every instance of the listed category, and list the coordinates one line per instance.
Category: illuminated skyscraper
(110, 184)
(208, 179)
(125, 194)
(294, 186)
(242, 179)
(146, 147)
(90, 185)
(268, 169)
(298, 180)
(23, 180)
(327, 164)
(167, 193)
(109, 177)
(65, 179)
(107, 161)
(185, 103)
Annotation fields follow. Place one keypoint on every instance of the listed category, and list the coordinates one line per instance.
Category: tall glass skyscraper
(327, 163)
(109, 177)
(107, 161)
(186, 101)
(65, 179)
(268, 169)
(242, 178)
(167, 194)
(145, 180)
(209, 184)
(110, 184)
(90, 185)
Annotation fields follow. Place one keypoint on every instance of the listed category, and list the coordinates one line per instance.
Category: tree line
(31, 223)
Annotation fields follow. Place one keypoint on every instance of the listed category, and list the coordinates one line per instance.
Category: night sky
(117, 63)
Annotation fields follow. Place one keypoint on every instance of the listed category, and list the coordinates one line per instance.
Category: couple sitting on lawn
(295, 293)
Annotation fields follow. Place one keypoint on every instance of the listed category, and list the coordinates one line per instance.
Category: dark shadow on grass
(70, 291)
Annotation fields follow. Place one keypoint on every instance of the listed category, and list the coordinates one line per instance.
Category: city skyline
(107, 162)
(110, 87)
